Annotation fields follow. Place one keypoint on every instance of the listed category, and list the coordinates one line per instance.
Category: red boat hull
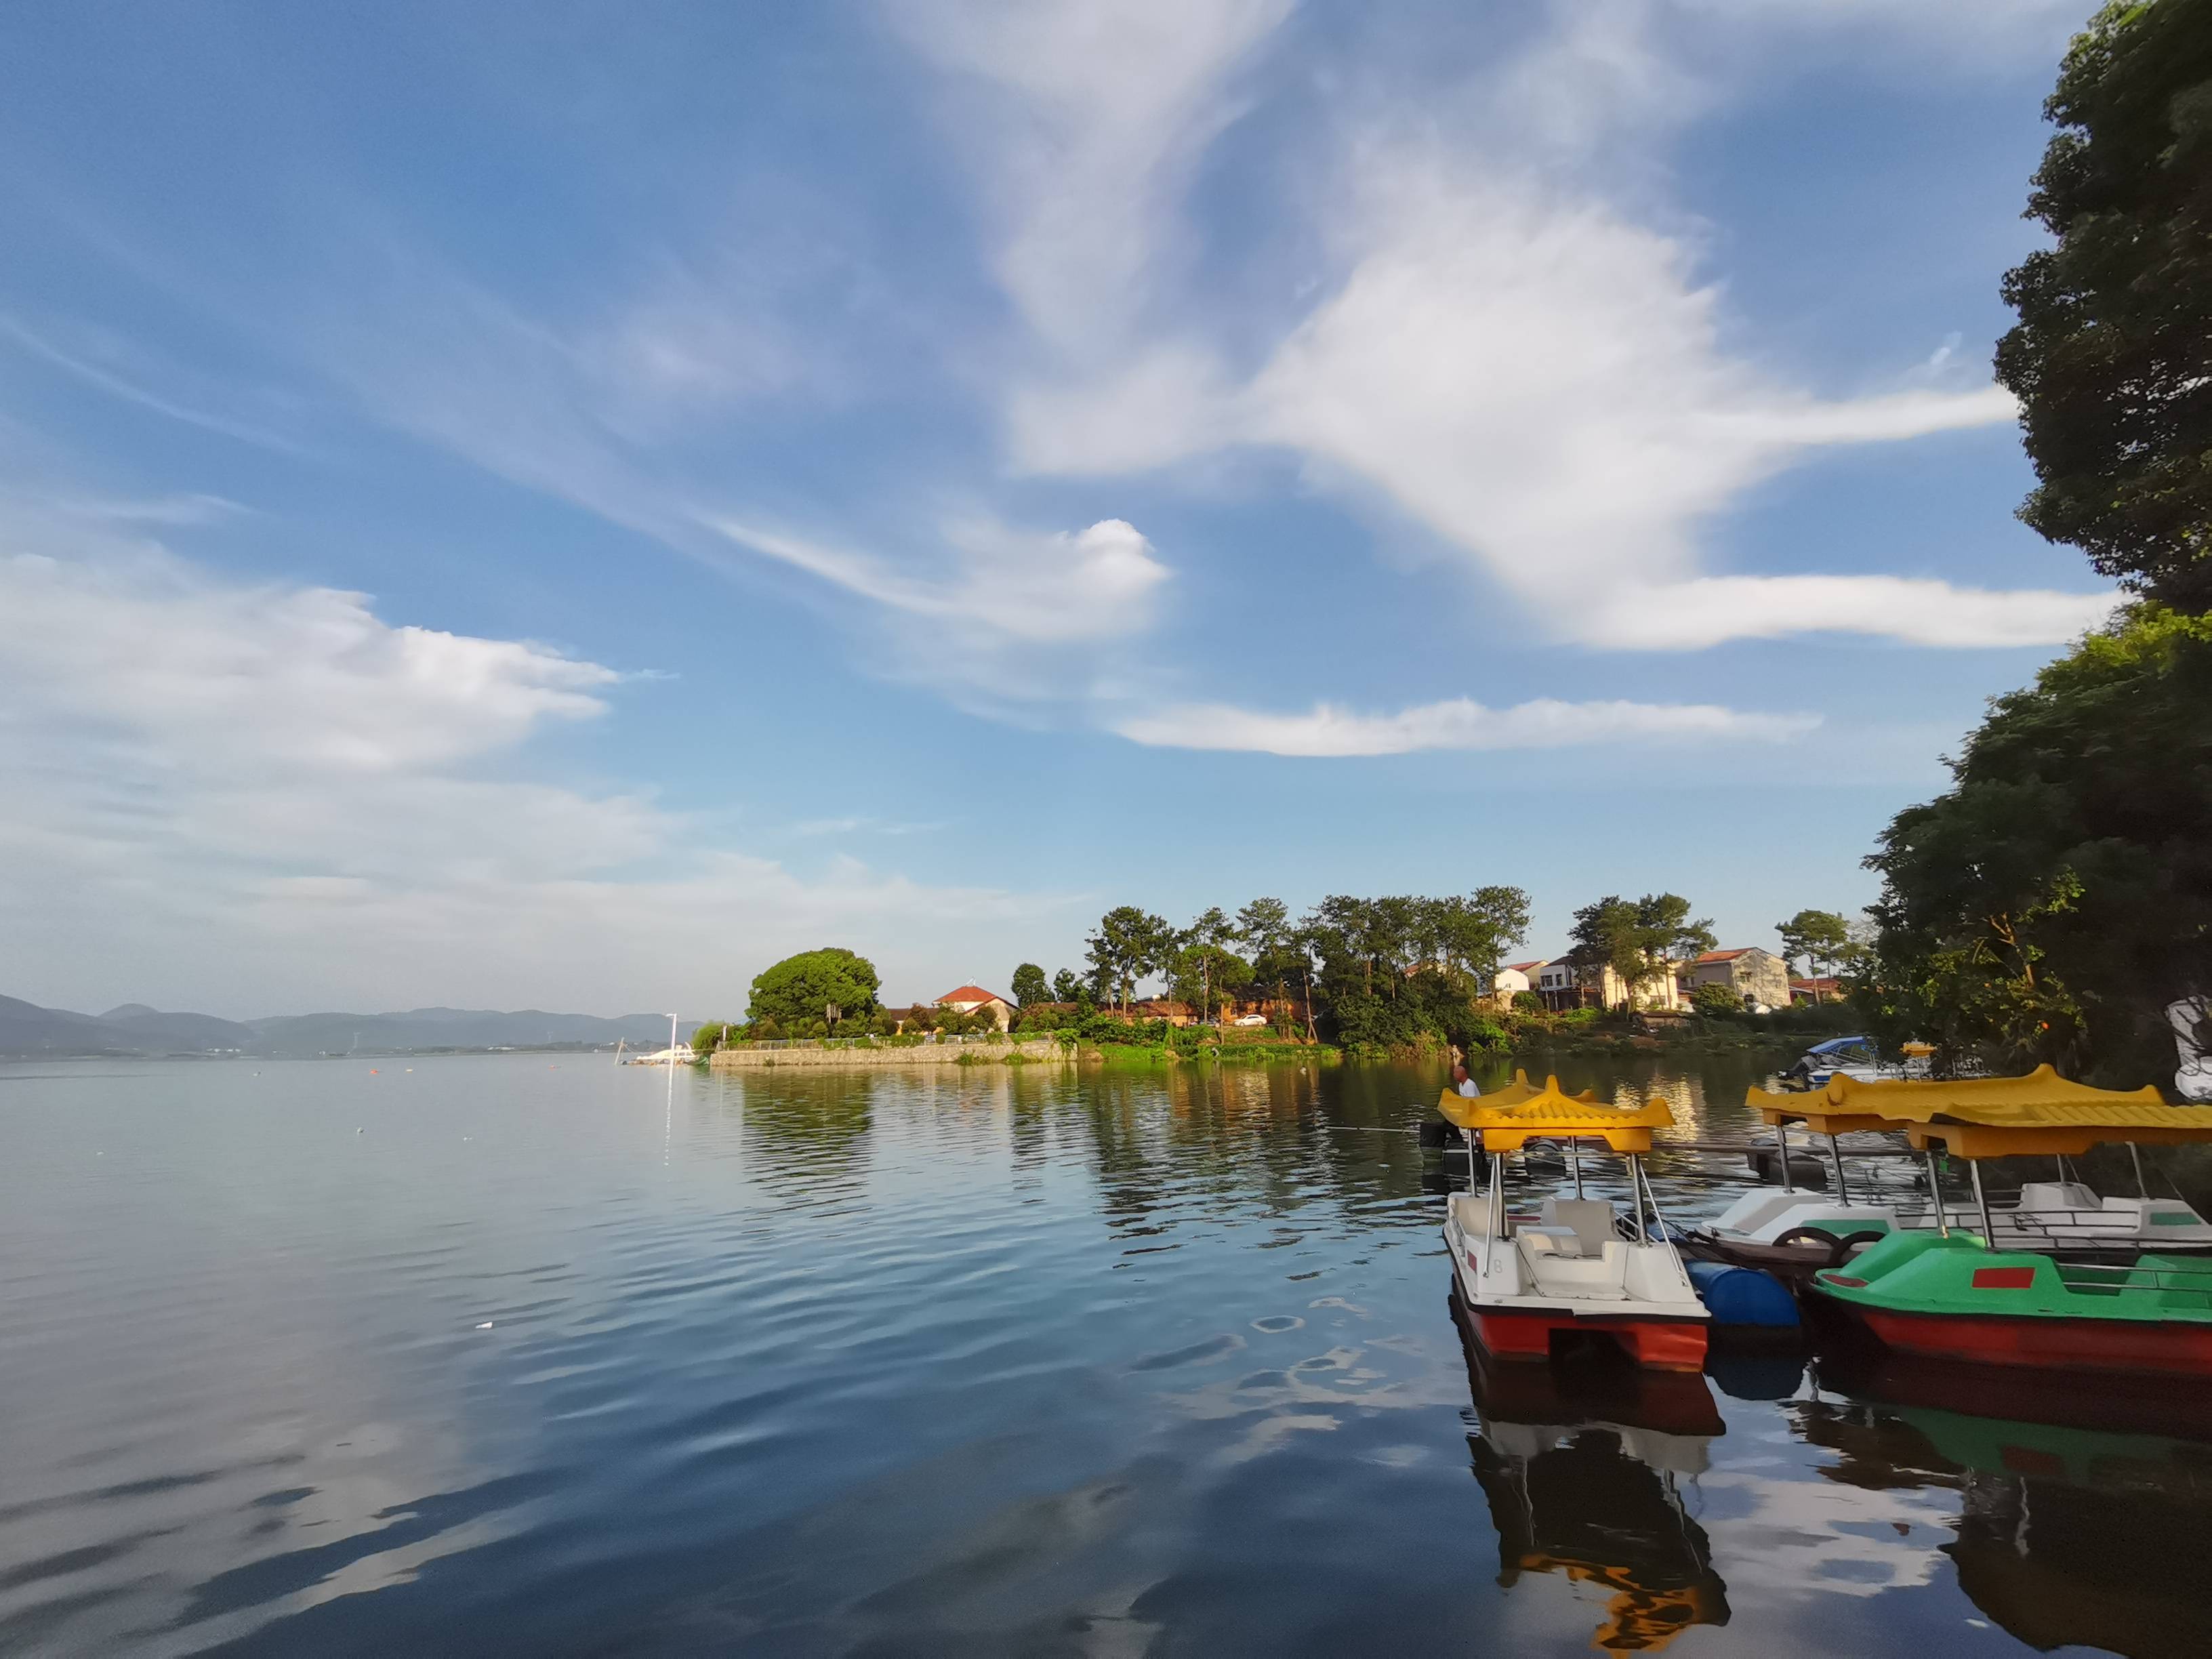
(1665, 1345)
(2045, 1344)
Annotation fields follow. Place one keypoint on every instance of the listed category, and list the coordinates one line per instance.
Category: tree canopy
(828, 985)
(1638, 941)
(1029, 985)
(2111, 357)
(2059, 894)
(1822, 937)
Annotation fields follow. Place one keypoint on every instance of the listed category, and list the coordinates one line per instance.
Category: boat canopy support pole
(2135, 1153)
(1935, 1193)
(1981, 1203)
(1497, 1196)
(1575, 1157)
(1781, 1145)
(1835, 1156)
(1636, 1189)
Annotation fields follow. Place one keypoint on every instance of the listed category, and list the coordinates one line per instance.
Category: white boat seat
(1561, 1240)
(1591, 1219)
(1599, 1276)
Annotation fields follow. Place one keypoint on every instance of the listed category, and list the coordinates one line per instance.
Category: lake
(526, 1354)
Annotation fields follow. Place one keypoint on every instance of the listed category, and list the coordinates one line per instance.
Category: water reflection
(1583, 1466)
(2081, 1519)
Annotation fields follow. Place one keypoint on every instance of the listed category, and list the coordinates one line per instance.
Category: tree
(1029, 985)
(1715, 1002)
(2053, 902)
(1127, 944)
(1640, 942)
(708, 1037)
(1821, 937)
(1605, 935)
(1204, 942)
(827, 985)
(2111, 357)
(1066, 987)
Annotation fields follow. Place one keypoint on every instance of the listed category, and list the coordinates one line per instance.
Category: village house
(973, 1000)
(1823, 988)
(1759, 977)
(1513, 979)
(1563, 986)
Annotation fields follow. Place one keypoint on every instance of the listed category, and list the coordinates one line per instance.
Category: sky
(561, 505)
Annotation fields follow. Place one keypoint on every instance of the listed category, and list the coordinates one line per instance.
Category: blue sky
(560, 506)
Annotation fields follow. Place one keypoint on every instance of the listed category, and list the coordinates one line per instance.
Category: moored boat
(1956, 1294)
(1527, 1285)
(1796, 1233)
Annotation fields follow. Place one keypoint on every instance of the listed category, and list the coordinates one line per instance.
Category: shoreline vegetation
(1401, 977)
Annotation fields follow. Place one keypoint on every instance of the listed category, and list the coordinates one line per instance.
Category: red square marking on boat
(2003, 1279)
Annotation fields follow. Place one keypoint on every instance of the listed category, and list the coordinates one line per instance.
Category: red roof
(972, 993)
(1726, 956)
(1526, 967)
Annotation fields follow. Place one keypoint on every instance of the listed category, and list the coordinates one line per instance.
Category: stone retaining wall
(923, 1053)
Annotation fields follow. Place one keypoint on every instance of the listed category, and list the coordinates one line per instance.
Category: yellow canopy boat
(1509, 1117)
(1975, 1118)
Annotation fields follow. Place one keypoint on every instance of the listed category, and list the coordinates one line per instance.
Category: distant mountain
(136, 1028)
(452, 1028)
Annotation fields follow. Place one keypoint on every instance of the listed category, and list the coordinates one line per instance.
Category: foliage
(1822, 937)
(1716, 1002)
(1067, 986)
(1127, 944)
(710, 1036)
(2111, 357)
(2053, 903)
(1205, 976)
(822, 985)
(1029, 985)
(1640, 942)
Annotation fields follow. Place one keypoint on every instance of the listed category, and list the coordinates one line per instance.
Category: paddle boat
(1954, 1294)
(1796, 1233)
(1527, 1285)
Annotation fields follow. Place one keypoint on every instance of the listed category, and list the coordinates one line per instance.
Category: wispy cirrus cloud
(1532, 370)
(1458, 723)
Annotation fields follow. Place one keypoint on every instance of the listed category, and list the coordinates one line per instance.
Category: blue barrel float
(1743, 1296)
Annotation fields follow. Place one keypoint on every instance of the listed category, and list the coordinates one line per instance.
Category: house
(975, 1000)
(1822, 988)
(1759, 977)
(1514, 978)
(1562, 985)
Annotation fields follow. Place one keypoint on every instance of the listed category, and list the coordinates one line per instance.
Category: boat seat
(1590, 1217)
(1599, 1276)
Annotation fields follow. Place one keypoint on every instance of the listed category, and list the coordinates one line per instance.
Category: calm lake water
(500, 1355)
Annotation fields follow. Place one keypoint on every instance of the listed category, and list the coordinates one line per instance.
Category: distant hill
(135, 1029)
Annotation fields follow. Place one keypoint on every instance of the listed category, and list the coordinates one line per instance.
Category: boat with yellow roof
(1959, 1294)
(1525, 1286)
(1796, 1233)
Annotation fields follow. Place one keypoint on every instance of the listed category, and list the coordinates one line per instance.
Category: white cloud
(274, 790)
(1459, 723)
(1506, 354)
(1039, 587)
(1105, 108)
(1918, 610)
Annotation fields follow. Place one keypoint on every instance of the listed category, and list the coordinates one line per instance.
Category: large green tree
(1821, 937)
(2111, 357)
(2059, 894)
(1639, 940)
(828, 985)
(1029, 985)
(1127, 944)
